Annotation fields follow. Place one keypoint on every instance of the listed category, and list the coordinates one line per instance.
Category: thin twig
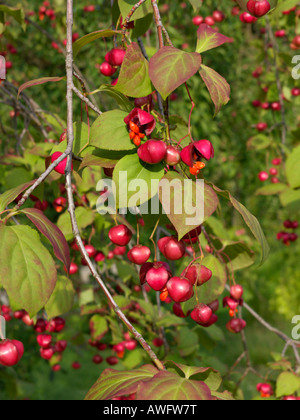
(71, 208)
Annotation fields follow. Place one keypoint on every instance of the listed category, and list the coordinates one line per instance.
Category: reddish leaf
(169, 68)
(10, 195)
(134, 78)
(218, 87)
(38, 82)
(211, 377)
(208, 38)
(168, 386)
(52, 232)
(117, 384)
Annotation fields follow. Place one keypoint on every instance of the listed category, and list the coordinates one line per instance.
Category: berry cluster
(46, 11)
(118, 350)
(288, 237)
(217, 16)
(113, 60)
(273, 172)
(232, 302)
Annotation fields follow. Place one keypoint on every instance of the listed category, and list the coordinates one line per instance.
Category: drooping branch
(71, 206)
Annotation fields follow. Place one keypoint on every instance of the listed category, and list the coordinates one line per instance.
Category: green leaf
(29, 276)
(186, 203)
(168, 386)
(92, 160)
(87, 39)
(141, 26)
(187, 342)
(284, 5)
(98, 327)
(85, 217)
(123, 102)
(16, 12)
(10, 195)
(134, 78)
(259, 142)
(109, 132)
(250, 220)
(208, 38)
(113, 384)
(37, 82)
(52, 233)
(237, 255)
(126, 6)
(136, 182)
(223, 396)
(169, 68)
(272, 189)
(217, 86)
(62, 298)
(196, 4)
(290, 198)
(293, 168)
(287, 384)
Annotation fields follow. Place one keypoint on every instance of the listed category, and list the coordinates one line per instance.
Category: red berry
(218, 16)
(273, 171)
(152, 152)
(261, 126)
(61, 346)
(112, 360)
(90, 250)
(115, 57)
(177, 309)
(197, 273)
(236, 325)
(47, 354)
(209, 20)
(73, 269)
(198, 20)
(172, 157)
(263, 176)
(180, 290)
(97, 359)
(107, 70)
(76, 365)
(139, 254)
(130, 345)
(11, 352)
(120, 235)
(171, 248)
(44, 340)
(61, 167)
(202, 314)
(258, 8)
(276, 161)
(236, 292)
(158, 342)
(157, 277)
